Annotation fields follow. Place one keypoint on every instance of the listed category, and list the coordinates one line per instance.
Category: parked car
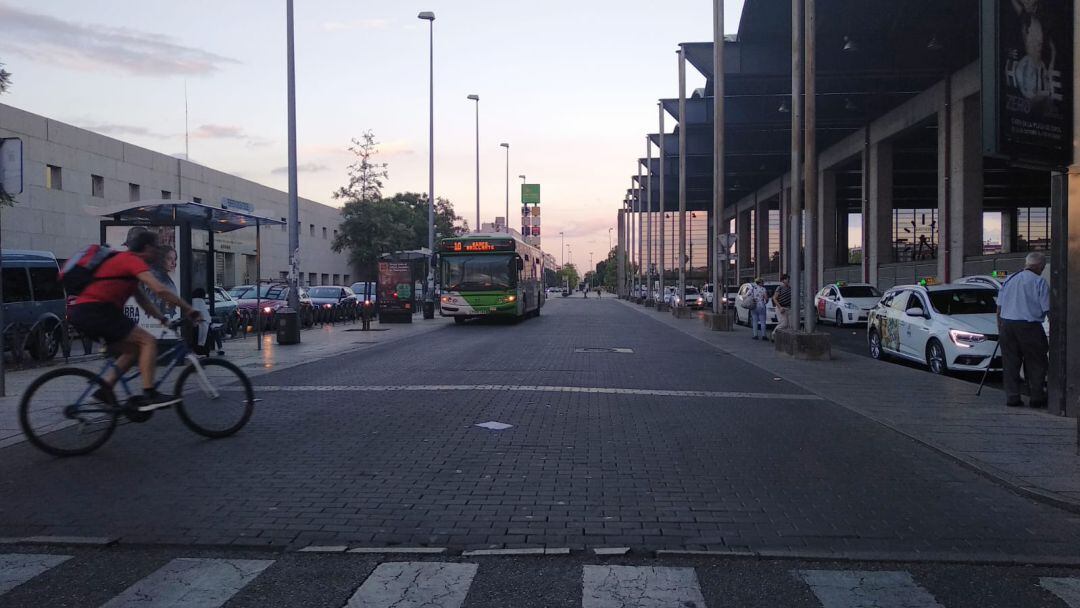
(693, 298)
(996, 280)
(271, 298)
(727, 298)
(947, 327)
(844, 303)
(225, 308)
(34, 301)
(366, 291)
(331, 297)
(742, 315)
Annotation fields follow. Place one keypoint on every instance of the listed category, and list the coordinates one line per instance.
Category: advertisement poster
(167, 270)
(1028, 46)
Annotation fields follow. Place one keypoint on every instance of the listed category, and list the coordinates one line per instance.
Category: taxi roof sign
(929, 281)
(999, 274)
(841, 283)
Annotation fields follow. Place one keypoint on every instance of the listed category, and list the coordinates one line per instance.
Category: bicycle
(59, 425)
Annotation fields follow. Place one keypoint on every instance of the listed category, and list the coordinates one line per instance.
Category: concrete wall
(64, 220)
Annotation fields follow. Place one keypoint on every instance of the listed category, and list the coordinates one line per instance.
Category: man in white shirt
(1023, 303)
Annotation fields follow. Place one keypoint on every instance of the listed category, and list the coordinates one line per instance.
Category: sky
(570, 85)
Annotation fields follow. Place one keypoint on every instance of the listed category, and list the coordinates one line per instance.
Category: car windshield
(691, 291)
(859, 291)
(964, 301)
(238, 292)
(477, 272)
(268, 292)
(325, 292)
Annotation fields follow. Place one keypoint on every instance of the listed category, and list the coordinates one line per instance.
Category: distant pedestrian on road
(782, 302)
(1023, 303)
(599, 292)
(759, 313)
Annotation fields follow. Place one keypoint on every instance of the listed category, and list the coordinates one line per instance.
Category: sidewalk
(1031, 452)
(316, 344)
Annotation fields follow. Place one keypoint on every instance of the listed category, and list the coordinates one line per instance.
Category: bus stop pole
(3, 372)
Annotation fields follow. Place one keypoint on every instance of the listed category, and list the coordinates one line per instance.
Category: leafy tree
(365, 176)
(568, 271)
(5, 83)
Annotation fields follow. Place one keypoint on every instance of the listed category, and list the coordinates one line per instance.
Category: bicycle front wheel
(217, 402)
(61, 414)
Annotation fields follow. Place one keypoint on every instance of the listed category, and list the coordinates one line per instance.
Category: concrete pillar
(620, 256)
(959, 209)
(1008, 229)
(827, 225)
(879, 223)
(743, 229)
(761, 218)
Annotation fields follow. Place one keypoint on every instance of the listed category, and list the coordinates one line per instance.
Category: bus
(490, 275)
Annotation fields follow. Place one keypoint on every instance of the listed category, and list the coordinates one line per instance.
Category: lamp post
(592, 269)
(562, 250)
(476, 98)
(522, 178)
(429, 285)
(507, 146)
(608, 240)
(294, 213)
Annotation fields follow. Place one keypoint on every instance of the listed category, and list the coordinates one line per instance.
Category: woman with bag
(758, 314)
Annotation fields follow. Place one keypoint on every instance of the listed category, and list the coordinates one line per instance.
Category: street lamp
(294, 214)
(522, 178)
(507, 146)
(429, 286)
(562, 250)
(476, 98)
(609, 240)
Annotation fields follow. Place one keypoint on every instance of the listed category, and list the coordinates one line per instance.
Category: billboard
(1027, 80)
(167, 270)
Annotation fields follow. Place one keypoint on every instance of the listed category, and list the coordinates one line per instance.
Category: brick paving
(577, 469)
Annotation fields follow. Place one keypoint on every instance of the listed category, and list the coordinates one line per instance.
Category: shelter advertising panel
(1028, 80)
(167, 270)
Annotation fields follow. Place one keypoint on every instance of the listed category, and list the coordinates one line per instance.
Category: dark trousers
(1024, 343)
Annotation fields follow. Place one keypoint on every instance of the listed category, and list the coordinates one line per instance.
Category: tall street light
(562, 249)
(522, 178)
(507, 146)
(609, 240)
(294, 213)
(429, 285)
(476, 98)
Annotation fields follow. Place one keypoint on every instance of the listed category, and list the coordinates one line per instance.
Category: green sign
(530, 194)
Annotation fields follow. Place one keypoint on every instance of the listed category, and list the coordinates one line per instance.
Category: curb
(1005, 480)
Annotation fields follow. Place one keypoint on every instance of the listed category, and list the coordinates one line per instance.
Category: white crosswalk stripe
(191, 583)
(867, 589)
(640, 587)
(17, 568)
(415, 585)
(1068, 589)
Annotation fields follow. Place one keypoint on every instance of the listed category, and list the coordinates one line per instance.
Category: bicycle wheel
(221, 405)
(59, 414)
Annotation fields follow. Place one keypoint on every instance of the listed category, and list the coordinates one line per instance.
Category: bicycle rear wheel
(59, 414)
(217, 403)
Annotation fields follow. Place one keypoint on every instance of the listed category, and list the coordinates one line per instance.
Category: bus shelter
(184, 267)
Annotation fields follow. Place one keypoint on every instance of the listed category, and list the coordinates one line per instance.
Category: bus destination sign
(474, 246)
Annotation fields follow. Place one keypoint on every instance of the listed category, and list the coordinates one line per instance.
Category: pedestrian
(1023, 303)
(207, 334)
(781, 300)
(758, 314)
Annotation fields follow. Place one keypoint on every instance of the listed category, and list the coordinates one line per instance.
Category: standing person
(759, 313)
(1023, 303)
(163, 270)
(781, 299)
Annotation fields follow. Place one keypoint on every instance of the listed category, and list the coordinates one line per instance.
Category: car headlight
(267, 309)
(327, 305)
(965, 339)
(850, 305)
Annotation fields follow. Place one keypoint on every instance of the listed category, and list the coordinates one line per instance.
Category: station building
(71, 175)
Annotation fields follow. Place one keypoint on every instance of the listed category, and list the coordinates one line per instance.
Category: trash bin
(288, 326)
(429, 309)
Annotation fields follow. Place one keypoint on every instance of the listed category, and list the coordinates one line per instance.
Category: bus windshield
(477, 272)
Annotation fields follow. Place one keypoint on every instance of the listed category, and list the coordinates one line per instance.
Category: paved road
(121, 578)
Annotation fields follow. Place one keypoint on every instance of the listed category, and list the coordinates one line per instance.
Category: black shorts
(101, 321)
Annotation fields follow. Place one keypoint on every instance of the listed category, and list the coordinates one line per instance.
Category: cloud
(212, 131)
(304, 168)
(359, 24)
(121, 130)
(94, 47)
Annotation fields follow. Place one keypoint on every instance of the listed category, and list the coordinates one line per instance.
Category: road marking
(1067, 589)
(191, 583)
(857, 589)
(640, 587)
(537, 389)
(17, 568)
(415, 585)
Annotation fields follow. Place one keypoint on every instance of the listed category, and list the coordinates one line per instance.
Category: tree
(365, 176)
(5, 83)
(568, 271)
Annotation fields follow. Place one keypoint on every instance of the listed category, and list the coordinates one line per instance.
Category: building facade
(70, 174)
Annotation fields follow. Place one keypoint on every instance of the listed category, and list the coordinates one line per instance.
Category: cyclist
(98, 312)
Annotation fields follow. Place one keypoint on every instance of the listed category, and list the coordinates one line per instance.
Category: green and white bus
(490, 275)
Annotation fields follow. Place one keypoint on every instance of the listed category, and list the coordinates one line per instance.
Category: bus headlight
(509, 299)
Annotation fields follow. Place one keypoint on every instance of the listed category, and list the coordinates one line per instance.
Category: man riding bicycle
(98, 312)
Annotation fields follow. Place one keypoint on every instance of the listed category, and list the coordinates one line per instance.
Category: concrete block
(801, 345)
(722, 321)
(21, 123)
(68, 135)
(681, 312)
(138, 156)
(662, 306)
(107, 147)
(650, 303)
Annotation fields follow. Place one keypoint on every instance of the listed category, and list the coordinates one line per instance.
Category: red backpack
(78, 272)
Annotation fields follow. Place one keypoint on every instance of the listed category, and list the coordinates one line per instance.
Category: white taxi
(947, 327)
(844, 303)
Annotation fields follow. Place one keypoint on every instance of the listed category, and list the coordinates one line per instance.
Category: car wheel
(875, 346)
(935, 358)
(839, 319)
(45, 343)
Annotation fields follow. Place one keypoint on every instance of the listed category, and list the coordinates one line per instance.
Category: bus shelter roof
(200, 216)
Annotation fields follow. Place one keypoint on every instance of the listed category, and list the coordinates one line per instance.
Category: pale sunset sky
(570, 85)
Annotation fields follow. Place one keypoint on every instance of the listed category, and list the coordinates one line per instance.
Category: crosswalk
(26, 579)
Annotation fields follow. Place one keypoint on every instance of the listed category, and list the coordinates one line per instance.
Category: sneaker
(104, 395)
(155, 401)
